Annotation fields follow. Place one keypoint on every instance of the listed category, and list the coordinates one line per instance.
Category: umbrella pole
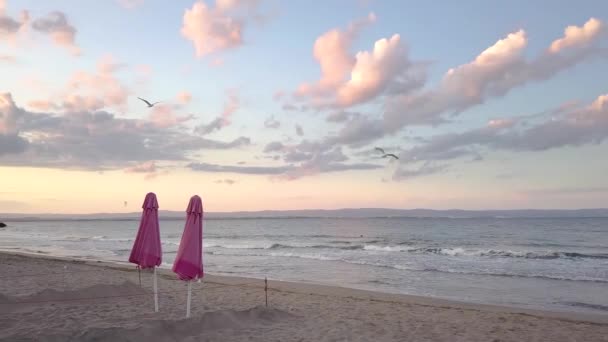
(189, 297)
(155, 292)
(139, 274)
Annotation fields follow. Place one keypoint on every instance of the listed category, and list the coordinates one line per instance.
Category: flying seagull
(390, 155)
(150, 105)
(125, 203)
(380, 150)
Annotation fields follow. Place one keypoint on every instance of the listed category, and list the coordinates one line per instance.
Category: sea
(557, 264)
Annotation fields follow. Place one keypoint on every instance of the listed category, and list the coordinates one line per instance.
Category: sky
(278, 105)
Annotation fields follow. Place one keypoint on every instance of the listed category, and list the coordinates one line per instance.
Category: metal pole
(189, 297)
(155, 292)
(266, 289)
(139, 274)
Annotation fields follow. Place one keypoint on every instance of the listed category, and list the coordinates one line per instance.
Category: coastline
(54, 298)
(330, 290)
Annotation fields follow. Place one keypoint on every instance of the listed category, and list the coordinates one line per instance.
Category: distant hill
(338, 213)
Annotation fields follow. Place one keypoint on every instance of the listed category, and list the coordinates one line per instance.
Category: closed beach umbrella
(146, 252)
(188, 263)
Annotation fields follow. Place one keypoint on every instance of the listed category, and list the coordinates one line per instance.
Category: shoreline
(50, 298)
(331, 290)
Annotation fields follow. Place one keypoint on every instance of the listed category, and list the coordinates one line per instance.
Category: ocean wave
(586, 305)
(458, 251)
(401, 267)
(385, 248)
(447, 251)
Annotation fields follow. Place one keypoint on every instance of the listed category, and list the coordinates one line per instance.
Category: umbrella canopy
(146, 250)
(188, 263)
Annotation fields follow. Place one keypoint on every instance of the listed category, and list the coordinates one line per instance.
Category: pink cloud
(62, 33)
(163, 116)
(601, 103)
(212, 29)
(331, 50)
(231, 105)
(493, 73)
(149, 168)
(501, 123)
(41, 105)
(372, 72)
(469, 79)
(10, 27)
(96, 90)
(184, 97)
(8, 59)
(146, 167)
(348, 79)
(90, 91)
(575, 36)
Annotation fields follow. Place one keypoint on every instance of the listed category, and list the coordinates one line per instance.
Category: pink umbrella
(188, 263)
(146, 252)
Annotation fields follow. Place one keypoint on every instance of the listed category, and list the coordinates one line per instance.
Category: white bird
(390, 155)
(380, 150)
(150, 105)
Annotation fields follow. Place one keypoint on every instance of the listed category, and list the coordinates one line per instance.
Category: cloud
(213, 29)
(12, 144)
(493, 73)
(425, 169)
(90, 91)
(564, 126)
(10, 27)
(252, 170)
(231, 105)
(145, 167)
(184, 97)
(274, 146)
(163, 116)
(226, 181)
(340, 116)
(331, 50)
(348, 80)
(552, 192)
(148, 168)
(56, 25)
(93, 139)
(299, 130)
(130, 4)
(575, 36)
(271, 122)
(210, 127)
(8, 59)
(315, 162)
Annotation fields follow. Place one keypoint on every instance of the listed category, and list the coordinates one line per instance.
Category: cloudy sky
(269, 104)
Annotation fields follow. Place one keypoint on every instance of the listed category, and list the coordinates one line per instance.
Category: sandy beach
(50, 299)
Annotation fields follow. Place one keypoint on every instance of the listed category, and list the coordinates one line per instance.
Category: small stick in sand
(266, 289)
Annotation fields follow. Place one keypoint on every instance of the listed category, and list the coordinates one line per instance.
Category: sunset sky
(270, 104)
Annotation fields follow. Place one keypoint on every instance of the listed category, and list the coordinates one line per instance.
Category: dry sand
(44, 299)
